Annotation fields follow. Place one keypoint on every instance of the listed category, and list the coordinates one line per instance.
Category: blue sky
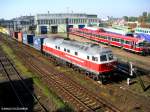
(103, 8)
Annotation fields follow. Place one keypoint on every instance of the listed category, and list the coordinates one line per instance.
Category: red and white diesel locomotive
(94, 59)
(126, 42)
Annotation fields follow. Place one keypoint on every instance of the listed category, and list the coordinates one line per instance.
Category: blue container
(144, 36)
(81, 26)
(28, 39)
(24, 40)
(38, 41)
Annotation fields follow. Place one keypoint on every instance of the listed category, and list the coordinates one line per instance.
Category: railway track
(22, 91)
(73, 93)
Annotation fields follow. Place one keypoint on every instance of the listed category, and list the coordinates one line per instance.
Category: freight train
(136, 45)
(95, 61)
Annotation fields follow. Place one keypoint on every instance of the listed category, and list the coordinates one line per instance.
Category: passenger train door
(109, 40)
(122, 42)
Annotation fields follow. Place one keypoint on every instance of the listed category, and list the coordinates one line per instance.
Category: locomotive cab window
(110, 56)
(65, 49)
(103, 58)
(59, 48)
(56, 47)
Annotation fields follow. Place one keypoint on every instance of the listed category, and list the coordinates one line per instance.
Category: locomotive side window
(76, 53)
(68, 50)
(56, 47)
(94, 58)
(103, 58)
(88, 57)
(140, 44)
(65, 49)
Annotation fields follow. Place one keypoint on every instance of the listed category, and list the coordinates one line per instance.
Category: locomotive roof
(87, 48)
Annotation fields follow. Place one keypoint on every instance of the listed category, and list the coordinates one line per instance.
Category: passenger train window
(140, 44)
(122, 41)
(127, 42)
(103, 58)
(110, 56)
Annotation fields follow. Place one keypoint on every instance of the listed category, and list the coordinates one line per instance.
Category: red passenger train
(129, 43)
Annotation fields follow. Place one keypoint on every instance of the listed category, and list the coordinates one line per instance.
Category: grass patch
(59, 104)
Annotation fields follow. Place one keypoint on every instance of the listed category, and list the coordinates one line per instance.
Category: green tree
(148, 18)
(125, 18)
(140, 19)
(132, 19)
(148, 15)
(144, 14)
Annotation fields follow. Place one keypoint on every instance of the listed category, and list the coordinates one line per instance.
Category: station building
(53, 23)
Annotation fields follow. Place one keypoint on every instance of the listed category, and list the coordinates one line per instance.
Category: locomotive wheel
(79, 70)
(101, 79)
(95, 78)
(69, 65)
(75, 69)
(87, 74)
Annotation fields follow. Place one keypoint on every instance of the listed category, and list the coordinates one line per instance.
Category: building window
(76, 53)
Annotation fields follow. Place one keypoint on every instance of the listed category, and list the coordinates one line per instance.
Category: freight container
(81, 26)
(15, 35)
(38, 41)
(24, 40)
(28, 39)
(19, 36)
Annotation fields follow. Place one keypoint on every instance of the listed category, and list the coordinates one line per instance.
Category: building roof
(65, 15)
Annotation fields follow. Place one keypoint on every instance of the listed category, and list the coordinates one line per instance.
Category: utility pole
(67, 27)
